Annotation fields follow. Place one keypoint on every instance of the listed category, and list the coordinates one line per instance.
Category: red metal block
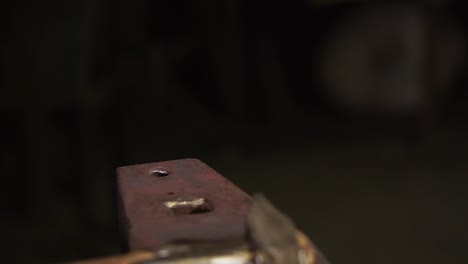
(175, 200)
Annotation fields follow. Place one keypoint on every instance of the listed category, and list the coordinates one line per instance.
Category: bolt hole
(159, 172)
(170, 193)
(184, 206)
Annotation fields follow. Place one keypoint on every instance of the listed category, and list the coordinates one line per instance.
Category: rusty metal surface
(206, 206)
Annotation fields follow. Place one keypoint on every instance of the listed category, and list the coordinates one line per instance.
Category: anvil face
(177, 200)
(182, 211)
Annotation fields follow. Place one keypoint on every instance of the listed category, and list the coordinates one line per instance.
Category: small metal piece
(275, 237)
(189, 206)
(160, 172)
(272, 233)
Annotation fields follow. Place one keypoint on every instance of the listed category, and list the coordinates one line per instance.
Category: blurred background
(349, 115)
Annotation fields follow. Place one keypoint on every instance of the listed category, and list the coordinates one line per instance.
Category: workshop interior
(350, 116)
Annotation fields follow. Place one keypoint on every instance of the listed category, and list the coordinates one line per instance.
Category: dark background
(88, 86)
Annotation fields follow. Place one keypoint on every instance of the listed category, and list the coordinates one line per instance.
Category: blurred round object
(376, 60)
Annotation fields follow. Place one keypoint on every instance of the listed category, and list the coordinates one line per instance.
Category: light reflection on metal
(226, 256)
(183, 206)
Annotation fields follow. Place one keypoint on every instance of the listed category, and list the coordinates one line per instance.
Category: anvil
(183, 211)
